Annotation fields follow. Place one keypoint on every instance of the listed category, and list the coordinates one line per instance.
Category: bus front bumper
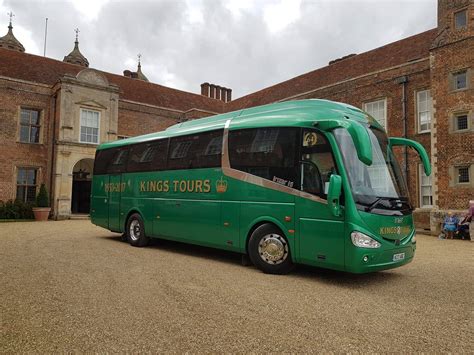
(369, 260)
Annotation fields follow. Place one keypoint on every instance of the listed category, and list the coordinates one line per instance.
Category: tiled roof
(393, 54)
(48, 71)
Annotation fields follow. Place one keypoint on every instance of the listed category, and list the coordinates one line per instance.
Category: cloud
(244, 45)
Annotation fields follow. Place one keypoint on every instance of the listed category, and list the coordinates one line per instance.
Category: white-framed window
(26, 184)
(426, 193)
(423, 110)
(89, 126)
(378, 110)
(460, 19)
(29, 125)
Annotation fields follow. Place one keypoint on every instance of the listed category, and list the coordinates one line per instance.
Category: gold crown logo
(221, 185)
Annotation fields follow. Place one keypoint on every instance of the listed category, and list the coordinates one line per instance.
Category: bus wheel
(136, 231)
(269, 250)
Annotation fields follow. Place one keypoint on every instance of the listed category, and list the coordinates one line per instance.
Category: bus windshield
(380, 186)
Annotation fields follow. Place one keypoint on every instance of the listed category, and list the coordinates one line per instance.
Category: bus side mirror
(334, 193)
(394, 141)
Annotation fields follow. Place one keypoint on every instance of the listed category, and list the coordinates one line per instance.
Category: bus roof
(303, 113)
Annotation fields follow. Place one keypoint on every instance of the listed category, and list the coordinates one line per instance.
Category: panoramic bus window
(148, 156)
(102, 160)
(266, 152)
(195, 151)
(317, 163)
(119, 161)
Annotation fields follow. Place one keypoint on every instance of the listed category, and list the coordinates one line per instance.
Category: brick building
(53, 113)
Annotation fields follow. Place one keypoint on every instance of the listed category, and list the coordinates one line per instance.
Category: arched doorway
(81, 186)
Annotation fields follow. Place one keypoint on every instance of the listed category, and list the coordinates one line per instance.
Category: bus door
(115, 189)
(321, 235)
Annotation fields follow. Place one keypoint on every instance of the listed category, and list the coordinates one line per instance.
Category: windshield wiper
(373, 204)
(396, 202)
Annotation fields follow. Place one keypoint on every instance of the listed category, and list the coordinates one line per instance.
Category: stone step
(79, 217)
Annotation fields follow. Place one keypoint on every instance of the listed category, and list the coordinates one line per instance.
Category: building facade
(53, 114)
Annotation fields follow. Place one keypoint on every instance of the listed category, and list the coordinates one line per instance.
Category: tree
(42, 200)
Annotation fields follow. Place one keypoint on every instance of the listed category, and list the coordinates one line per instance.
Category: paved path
(69, 285)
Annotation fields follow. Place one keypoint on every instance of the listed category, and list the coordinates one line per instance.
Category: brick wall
(453, 148)
(13, 96)
(135, 119)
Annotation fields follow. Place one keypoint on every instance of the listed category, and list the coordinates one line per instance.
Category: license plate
(398, 257)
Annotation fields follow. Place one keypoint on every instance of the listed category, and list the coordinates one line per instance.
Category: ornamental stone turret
(76, 57)
(136, 74)
(9, 41)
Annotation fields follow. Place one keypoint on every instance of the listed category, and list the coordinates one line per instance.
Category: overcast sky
(245, 45)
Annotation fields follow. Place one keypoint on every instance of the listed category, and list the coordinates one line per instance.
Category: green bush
(42, 200)
(2, 209)
(16, 210)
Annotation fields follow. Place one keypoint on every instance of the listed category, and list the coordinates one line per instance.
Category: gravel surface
(71, 286)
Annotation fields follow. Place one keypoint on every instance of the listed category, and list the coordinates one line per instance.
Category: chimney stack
(216, 92)
(212, 92)
(205, 89)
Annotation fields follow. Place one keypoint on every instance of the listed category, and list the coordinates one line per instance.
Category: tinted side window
(102, 160)
(195, 151)
(148, 156)
(270, 153)
(118, 163)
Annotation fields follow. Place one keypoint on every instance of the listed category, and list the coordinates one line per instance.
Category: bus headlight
(362, 240)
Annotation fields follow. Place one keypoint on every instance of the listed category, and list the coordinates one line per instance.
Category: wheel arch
(267, 220)
(129, 213)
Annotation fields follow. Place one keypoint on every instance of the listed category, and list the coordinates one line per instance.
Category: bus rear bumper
(371, 260)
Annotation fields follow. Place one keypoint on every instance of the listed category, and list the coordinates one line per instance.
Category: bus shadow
(308, 273)
(345, 279)
(188, 249)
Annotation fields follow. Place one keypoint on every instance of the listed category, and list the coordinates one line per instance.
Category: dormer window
(460, 19)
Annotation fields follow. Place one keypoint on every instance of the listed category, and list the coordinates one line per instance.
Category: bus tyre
(269, 251)
(136, 231)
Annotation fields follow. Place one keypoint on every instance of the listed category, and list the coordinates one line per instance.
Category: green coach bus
(312, 181)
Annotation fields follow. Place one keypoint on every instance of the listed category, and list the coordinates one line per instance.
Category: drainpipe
(403, 80)
(53, 139)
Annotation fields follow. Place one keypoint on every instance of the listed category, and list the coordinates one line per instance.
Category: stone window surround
(385, 100)
(17, 167)
(452, 121)
(465, 10)
(86, 108)
(41, 123)
(451, 79)
(453, 174)
(417, 121)
(419, 186)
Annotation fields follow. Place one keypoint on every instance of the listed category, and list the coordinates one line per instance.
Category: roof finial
(76, 57)
(11, 15)
(139, 59)
(9, 41)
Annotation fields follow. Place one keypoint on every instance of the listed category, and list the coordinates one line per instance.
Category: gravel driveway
(71, 286)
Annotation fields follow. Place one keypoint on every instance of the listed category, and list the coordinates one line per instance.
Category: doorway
(81, 186)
